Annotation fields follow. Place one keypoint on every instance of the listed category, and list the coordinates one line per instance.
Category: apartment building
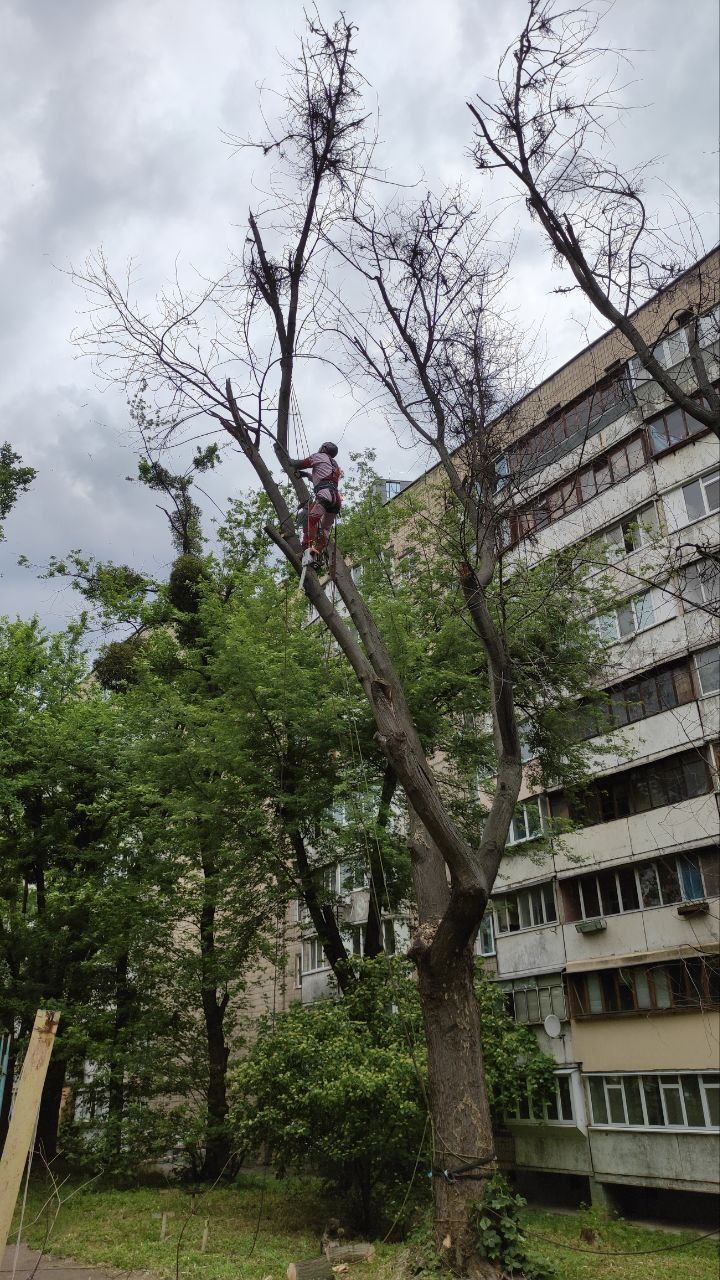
(607, 945)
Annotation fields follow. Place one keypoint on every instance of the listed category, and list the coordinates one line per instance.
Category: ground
(258, 1226)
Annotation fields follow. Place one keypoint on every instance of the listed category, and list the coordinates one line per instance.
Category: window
(564, 430)
(660, 690)
(313, 956)
(632, 533)
(695, 500)
(707, 665)
(486, 937)
(297, 965)
(355, 875)
(526, 909)
(677, 985)
(394, 487)
(559, 501)
(687, 1101)
(527, 823)
(531, 1002)
(635, 615)
(700, 585)
(389, 945)
(355, 939)
(673, 427)
(558, 1109)
(669, 781)
(662, 882)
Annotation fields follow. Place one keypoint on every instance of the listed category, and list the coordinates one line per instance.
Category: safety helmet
(329, 448)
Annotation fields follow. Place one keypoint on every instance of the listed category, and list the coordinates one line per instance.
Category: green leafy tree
(14, 479)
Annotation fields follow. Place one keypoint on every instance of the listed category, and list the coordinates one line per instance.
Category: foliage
(333, 1087)
(514, 1065)
(339, 1086)
(500, 1232)
(14, 479)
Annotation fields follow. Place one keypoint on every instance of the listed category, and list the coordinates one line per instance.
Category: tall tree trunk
(217, 1138)
(7, 1095)
(50, 1103)
(463, 1147)
(116, 1088)
(377, 901)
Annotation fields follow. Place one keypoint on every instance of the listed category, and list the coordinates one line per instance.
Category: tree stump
(360, 1252)
(311, 1269)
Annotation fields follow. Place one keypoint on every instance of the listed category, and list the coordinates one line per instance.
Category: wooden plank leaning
(22, 1122)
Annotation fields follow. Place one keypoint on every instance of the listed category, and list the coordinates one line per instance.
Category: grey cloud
(111, 118)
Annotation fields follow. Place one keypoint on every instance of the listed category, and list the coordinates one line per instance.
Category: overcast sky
(111, 121)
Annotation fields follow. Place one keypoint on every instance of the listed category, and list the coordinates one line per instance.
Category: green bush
(337, 1087)
(333, 1087)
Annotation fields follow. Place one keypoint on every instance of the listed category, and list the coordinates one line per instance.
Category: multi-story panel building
(608, 944)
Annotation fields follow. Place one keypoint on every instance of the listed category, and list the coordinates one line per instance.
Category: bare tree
(429, 339)
(547, 127)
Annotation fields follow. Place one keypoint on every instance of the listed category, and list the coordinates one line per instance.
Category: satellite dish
(552, 1026)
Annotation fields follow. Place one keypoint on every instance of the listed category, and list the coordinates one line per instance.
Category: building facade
(607, 943)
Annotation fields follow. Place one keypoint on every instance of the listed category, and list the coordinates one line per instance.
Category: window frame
(704, 482)
(635, 868)
(561, 499)
(561, 1119)
(524, 805)
(588, 991)
(313, 943)
(701, 691)
(666, 1080)
(523, 900)
(614, 797)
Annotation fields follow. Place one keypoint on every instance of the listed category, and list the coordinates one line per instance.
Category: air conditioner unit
(696, 907)
(596, 925)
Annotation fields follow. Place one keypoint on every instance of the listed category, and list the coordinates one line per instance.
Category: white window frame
(705, 693)
(662, 605)
(485, 945)
(500, 908)
(666, 1080)
(522, 810)
(298, 970)
(644, 525)
(314, 945)
(636, 869)
(531, 1118)
(710, 478)
(704, 583)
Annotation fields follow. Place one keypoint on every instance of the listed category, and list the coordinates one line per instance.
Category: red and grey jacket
(326, 476)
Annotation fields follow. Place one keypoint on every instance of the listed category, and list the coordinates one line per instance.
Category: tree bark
(116, 1087)
(217, 1138)
(50, 1103)
(377, 899)
(459, 1108)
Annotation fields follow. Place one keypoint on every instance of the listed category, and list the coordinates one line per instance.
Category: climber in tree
(326, 501)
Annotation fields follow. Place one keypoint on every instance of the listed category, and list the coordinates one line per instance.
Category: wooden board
(22, 1122)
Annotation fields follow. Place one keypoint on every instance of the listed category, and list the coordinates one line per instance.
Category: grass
(260, 1225)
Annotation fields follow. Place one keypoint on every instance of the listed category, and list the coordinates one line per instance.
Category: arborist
(323, 507)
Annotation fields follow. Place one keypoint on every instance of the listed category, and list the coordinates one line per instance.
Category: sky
(113, 115)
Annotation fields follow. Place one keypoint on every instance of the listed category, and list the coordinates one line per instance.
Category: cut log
(360, 1252)
(311, 1269)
